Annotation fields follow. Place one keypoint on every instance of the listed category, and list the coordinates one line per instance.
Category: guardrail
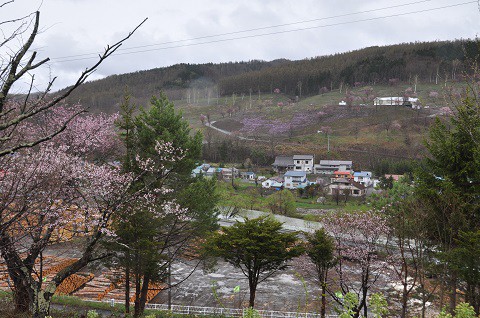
(230, 312)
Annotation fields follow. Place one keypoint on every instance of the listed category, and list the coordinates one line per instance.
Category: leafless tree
(23, 63)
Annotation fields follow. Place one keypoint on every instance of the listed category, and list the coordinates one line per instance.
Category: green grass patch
(246, 196)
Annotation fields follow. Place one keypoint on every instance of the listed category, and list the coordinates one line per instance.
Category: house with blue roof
(295, 179)
(363, 177)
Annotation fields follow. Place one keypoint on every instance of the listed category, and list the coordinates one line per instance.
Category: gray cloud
(75, 27)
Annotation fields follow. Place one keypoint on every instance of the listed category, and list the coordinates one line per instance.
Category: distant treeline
(426, 61)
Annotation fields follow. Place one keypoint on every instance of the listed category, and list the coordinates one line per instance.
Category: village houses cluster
(300, 171)
(335, 175)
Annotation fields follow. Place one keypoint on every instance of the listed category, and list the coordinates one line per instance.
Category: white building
(396, 101)
(363, 177)
(295, 163)
(295, 179)
(271, 183)
(249, 175)
(303, 163)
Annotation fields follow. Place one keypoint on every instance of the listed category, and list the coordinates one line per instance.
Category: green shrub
(251, 313)
(463, 310)
(92, 314)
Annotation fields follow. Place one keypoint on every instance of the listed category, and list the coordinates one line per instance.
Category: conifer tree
(258, 247)
(150, 238)
(449, 186)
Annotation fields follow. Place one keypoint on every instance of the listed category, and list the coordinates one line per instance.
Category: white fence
(230, 312)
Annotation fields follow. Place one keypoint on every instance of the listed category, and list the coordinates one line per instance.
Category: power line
(254, 29)
(67, 59)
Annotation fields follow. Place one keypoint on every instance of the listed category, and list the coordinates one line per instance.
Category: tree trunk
(144, 292)
(127, 284)
(324, 300)
(404, 300)
(253, 289)
(453, 293)
(136, 308)
(21, 297)
(365, 308)
(41, 304)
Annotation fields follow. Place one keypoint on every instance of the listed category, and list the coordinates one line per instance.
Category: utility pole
(328, 139)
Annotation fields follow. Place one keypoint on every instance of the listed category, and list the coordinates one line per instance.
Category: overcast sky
(73, 28)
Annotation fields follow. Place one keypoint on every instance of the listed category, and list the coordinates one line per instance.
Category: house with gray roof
(295, 163)
(330, 166)
(346, 187)
(283, 163)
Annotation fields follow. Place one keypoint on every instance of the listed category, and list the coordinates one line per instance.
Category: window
(306, 162)
(356, 192)
(298, 161)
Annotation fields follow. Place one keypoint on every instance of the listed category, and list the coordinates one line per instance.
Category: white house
(271, 183)
(295, 163)
(346, 187)
(396, 101)
(330, 166)
(303, 163)
(295, 179)
(249, 175)
(363, 177)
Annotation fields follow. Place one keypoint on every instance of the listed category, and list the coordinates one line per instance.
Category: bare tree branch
(12, 74)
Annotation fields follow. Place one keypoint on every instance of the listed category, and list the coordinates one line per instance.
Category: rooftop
(283, 161)
(362, 174)
(335, 162)
(300, 157)
(342, 172)
(295, 174)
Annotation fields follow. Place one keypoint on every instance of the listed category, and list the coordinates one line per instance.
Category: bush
(463, 310)
(251, 313)
(282, 202)
(92, 314)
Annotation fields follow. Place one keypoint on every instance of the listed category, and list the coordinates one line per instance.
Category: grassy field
(245, 195)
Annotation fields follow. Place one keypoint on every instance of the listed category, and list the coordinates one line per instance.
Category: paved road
(226, 132)
(292, 224)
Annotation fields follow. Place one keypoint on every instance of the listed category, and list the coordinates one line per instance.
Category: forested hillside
(425, 62)
(429, 61)
(102, 94)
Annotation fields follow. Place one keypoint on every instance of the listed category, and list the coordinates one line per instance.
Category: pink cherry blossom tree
(61, 190)
(358, 238)
(433, 95)
(46, 182)
(56, 191)
(367, 95)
